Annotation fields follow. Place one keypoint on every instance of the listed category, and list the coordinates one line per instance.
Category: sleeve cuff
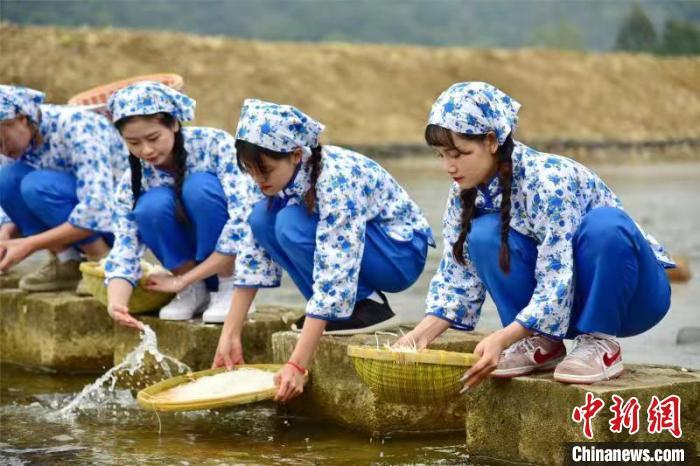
(225, 252)
(454, 324)
(534, 328)
(130, 280)
(246, 285)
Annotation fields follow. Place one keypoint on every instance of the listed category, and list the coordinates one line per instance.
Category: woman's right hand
(424, 333)
(409, 340)
(229, 352)
(121, 315)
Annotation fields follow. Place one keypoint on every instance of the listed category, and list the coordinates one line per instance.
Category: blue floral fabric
(351, 190)
(550, 196)
(148, 98)
(208, 150)
(476, 108)
(280, 128)
(87, 146)
(18, 100)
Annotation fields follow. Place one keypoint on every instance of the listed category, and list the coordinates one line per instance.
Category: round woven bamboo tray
(425, 377)
(142, 300)
(96, 98)
(148, 398)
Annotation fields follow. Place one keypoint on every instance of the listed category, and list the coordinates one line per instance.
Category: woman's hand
(229, 352)
(165, 283)
(489, 349)
(424, 333)
(290, 382)
(121, 315)
(15, 250)
(410, 340)
(7, 232)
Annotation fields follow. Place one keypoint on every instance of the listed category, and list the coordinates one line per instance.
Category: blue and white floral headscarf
(18, 100)
(281, 128)
(148, 98)
(476, 108)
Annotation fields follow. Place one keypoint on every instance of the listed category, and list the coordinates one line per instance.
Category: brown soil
(371, 94)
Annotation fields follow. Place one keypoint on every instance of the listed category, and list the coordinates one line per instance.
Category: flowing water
(47, 419)
(104, 394)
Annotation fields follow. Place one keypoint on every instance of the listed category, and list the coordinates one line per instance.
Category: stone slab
(529, 418)
(55, 331)
(336, 394)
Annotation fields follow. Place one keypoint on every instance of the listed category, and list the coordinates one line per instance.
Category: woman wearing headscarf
(548, 240)
(56, 185)
(184, 198)
(339, 224)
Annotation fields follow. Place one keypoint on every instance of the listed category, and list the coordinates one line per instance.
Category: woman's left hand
(164, 283)
(489, 349)
(15, 251)
(290, 382)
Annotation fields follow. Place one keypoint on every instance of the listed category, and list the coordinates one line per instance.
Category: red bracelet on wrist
(298, 367)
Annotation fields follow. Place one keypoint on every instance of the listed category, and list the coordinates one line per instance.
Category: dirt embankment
(372, 94)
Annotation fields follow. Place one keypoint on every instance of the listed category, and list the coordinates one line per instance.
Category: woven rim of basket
(99, 94)
(93, 269)
(424, 356)
(148, 397)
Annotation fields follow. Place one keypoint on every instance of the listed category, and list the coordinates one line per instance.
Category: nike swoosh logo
(541, 357)
(608, 360)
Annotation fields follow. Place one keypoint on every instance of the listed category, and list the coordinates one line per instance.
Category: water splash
(103, 394)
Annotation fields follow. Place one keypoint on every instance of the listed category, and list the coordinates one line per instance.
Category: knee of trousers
(604, 231)
(261, 220)
(35, 188)
(292, 224)
(10, 182)
(155, 206)
(484, 239)
(199, 190)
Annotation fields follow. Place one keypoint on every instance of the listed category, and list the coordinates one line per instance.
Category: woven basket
(142, 300)
(149, 398)
(96, 98)
(425, 377)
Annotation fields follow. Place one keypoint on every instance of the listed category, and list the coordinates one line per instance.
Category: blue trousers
(39, 200)
(620, 287)
(288, 234)
(175, 243)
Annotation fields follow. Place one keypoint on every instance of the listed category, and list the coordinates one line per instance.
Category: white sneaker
(187, 303)
(220, 303)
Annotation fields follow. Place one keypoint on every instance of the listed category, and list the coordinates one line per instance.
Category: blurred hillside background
(584, 70)
(659, 26)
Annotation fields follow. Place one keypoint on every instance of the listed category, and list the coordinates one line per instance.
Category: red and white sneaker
(528, 355)
(591, 360)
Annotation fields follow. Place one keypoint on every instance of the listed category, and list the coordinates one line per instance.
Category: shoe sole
(519, 371)
(393, 322)
(615, 371)
(54, 286)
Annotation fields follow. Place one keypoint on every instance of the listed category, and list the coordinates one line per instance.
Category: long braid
(467, 199)
(135, 165)
(315, 164)
(180, 159)
(505, 174)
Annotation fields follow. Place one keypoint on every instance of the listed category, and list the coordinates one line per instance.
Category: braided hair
(179, 159)
(438, 136)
